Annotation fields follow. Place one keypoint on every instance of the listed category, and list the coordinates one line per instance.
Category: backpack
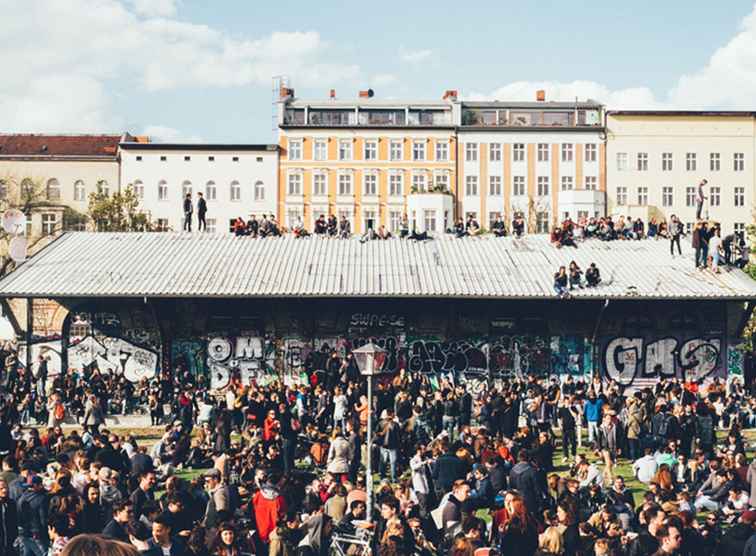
(59, 412)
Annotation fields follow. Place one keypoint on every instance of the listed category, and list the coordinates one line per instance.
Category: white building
(236, 180)
(542, 159)
(655, 160)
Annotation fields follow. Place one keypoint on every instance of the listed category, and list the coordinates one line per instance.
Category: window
(163, 159)
(370, 183)
(471, 152)
(395, 220)
(471, 186)
(4, 189)
(567, 183)
(293, 217)
(53, 190)
(567, 152)
(442, 151)
(494, 152)
(714, 196)
(739, 196)
(345, 149)
(371, 150)
(49, 223)
(442, 182)
(690, 162)
(667, 162)
(211, 193)
(621, 196)
(418, 183)
(690, 196)
(543, 186)
(104, 187)
(345, 213)
(418, 150)
(739, 228)
(542, 222)
(345, 184)
(234, 159)
(429, 219)
(80, 192)
(236, 191)
(319, 184)
(494, 186)
(368, 217)
(27, 188)
(590, 152)
(295, 184)
(518, 152)
(738, 161)
(295, 150)
(139, 158)
(643, 162)
(666, 196)
(714, 162)
(321, 150)
(621, 162)
(138, 190)
(518, 186)
(543, 152)
(187, 158)
(186, 188)
(212, 159)
(211, 225)
(591, 183)
(395, 150)
(395, 185)
(492, 217)
(162, 191)
(259, 191)
(643, 196)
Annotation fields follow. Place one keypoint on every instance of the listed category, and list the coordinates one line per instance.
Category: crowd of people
(279, 470)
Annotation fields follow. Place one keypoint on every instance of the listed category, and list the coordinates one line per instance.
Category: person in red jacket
(268, 505)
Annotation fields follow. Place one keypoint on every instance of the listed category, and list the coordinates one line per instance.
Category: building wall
(701, 135)
(574, 201)
(306, 203)
(197, 173)
(67, 173)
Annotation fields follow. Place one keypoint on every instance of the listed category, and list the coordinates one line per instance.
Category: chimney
(450, 94)
(332, 94)
(540, 95)
(369, 93)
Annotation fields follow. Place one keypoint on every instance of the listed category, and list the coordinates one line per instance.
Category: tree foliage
(118, 212)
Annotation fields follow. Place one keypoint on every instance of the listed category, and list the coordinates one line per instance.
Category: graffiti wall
(125, 342)
(639, 361)
(189, 354)
(49, 348)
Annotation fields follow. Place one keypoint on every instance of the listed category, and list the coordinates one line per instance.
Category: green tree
(118, 212)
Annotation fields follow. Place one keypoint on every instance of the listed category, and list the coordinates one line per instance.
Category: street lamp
(370, 359)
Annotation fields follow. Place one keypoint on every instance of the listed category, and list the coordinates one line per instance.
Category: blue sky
(199, 70)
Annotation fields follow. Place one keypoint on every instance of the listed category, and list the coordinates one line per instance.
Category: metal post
(369, 478)
(29, 332)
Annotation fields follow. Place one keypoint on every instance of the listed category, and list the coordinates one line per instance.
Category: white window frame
(419, 182)
(568, 152)
(738, 162)
(396, 149)
(668, 196)
(715, 196)
(320, 149)
(690, 196)
(162, 190)
(49, 223)
(442, 151)
(295, 149)
(543, 187)
(568, 183)
(346, 146)
(80, 191)
(494, 152)
(234, 191)
(714, 162)
(518, 152)
(471, 186)
(138, 187)
(642, 198)
(543, 152)
(370, 184)
(591, 183)
(317, 190)
(494, 186)
(419, 149)
(642, 162)
(441, 181)
(471, 152)
(622, 162)
(667, 162)
(739, 196)
(259, 190)
(371, 149)
(590, 152)
(394, 179)
(690, 162)
(519, 187)
(346, 184)
(621, 196)
(211, 191)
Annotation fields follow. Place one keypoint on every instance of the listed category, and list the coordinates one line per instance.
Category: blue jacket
(593, 409)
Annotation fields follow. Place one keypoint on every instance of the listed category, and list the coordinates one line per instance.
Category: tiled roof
(86, 264)
(59, 145)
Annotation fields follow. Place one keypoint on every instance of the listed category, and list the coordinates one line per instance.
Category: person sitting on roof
(459, 228)
(560, 283)
(518, 225)
(592, 276)
(498, 227)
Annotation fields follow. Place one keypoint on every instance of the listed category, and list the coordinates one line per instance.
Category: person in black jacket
(524, 478)
(118, 527)
(447, 469)
(33, 507)
(188, 211)
(201, 212)
(8, 521)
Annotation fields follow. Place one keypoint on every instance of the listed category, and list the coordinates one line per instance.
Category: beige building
(655, 160)
(56, 172)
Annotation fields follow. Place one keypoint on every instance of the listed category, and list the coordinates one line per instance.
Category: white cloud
(383, 79)
(165, 134)
(415, 56)
(156, 8)
(66, 78)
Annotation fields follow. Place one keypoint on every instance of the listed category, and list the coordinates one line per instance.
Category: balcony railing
(367, 118)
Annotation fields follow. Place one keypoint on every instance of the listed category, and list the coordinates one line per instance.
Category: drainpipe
(594, 348)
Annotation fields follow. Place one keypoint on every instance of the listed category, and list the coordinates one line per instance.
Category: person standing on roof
(700, 198)
(188, 211)
(201, 212)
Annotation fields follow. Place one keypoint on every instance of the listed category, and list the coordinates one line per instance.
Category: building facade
(366, 160)
(52, 173)
(656, 159)
(544, 160)
(236, 180)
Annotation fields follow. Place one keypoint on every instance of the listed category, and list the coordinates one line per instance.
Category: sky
(202, 71)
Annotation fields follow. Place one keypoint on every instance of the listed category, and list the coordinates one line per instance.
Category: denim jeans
(592, 431)
(703, 502)
(633, 445)
(389, 455)
(449, 423)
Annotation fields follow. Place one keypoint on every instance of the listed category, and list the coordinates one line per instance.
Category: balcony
(503, 117)
(361, 117)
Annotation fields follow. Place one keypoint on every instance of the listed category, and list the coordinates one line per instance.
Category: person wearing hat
(218, 497)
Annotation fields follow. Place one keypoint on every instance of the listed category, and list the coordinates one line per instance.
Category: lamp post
(370, 359)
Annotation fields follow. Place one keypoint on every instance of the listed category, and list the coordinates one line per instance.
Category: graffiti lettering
(110, 354)
(372, 320)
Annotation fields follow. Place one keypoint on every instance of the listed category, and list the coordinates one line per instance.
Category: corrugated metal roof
(83, 264)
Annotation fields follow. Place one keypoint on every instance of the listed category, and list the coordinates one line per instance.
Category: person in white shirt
(340, 405)
(588, 474)
(645, 467)
(418, 465)
(714, 243)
